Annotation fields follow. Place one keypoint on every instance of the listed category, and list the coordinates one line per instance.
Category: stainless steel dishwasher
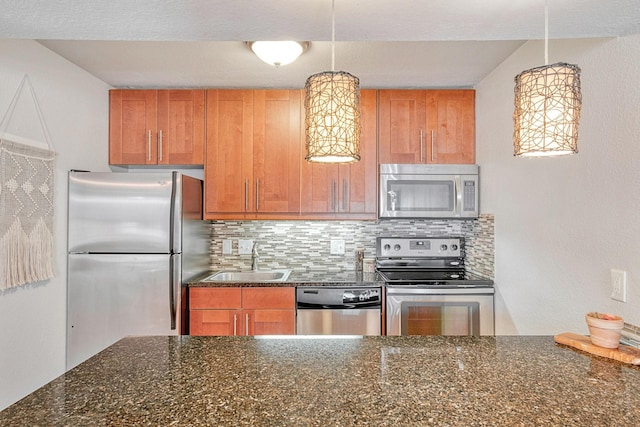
(338, 310)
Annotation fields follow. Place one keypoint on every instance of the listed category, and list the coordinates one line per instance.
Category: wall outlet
(337, 247)
(245, 247)
(619, 285)
(226, 247)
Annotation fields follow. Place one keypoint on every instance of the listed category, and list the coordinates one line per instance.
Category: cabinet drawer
(215, 298)
(253, 298)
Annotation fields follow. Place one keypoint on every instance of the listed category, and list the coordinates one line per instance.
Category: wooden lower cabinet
(242, 311)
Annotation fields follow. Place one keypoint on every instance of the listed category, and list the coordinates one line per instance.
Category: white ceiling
(399, 43)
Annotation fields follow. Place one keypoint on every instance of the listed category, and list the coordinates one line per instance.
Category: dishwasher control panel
(360, 295)
(343, 297)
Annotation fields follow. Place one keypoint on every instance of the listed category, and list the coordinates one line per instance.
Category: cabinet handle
(421, 147)
(333, 194)
(246, 324)
(345, 195)
(235, 325)
(246, 195)
(257, 194)
(149, 146)
(432, 144)
(160, 144)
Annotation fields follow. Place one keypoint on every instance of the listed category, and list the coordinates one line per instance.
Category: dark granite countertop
(305, 278)
(373, 381)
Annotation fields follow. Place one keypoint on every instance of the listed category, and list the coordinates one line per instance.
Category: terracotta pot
(605, 329)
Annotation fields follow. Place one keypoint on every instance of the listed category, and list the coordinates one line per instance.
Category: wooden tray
(624, 353)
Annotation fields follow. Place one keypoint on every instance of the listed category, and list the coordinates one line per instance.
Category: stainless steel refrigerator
(134, 239)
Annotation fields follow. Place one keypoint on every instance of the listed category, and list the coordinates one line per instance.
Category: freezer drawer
(110, 296)
(338, 322)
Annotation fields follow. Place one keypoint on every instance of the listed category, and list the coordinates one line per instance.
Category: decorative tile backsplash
(305, 245)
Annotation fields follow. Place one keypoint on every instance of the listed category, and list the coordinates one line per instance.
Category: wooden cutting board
(624, 353)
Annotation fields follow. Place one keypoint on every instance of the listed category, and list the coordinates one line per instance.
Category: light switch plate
(337, 247)
(245, 246)
(226, 247)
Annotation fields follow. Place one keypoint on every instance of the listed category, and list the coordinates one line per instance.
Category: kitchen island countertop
(314, 381)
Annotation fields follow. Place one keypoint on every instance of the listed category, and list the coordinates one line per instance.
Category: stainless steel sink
(249, 276)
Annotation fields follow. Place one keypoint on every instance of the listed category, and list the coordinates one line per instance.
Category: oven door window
(440, 318)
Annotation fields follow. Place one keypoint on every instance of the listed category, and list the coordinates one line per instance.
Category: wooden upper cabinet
(451, 119)
(345, 190)
(229, 161)
(133, 121)
(426, 126)
(156, 127)
(402, 125)
(181, 124)
(276, 151)
(252, 168)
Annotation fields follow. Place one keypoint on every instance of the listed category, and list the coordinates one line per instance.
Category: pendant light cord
(546, 32)
(333, 34)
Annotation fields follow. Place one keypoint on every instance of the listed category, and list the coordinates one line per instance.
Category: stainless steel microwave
(428, 191)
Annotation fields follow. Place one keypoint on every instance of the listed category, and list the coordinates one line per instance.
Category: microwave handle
(457, 204)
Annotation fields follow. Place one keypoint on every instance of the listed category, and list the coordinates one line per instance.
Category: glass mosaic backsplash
(305, 245)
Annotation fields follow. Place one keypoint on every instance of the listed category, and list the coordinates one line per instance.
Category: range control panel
(412, 247)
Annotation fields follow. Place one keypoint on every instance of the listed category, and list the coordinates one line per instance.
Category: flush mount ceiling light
(547, 108)
(278, 53)
(332, 113)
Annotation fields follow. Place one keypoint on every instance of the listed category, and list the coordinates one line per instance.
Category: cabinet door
(276, 151)
(318, 181)
(320, 185)
(229, 160)
(270, 322)
(451, 121)
(181, 121)
(132, 127)
(402, 125)
(216, 322)
(358, 190)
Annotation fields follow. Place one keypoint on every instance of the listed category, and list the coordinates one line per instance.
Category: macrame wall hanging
(26, 202)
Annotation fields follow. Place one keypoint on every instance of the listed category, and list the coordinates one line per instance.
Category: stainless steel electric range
(428, 290)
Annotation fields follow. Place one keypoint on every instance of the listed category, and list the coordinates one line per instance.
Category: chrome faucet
(254, 257)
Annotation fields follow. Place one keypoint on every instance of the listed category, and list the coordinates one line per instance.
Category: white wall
(75, 107)
(562, 223)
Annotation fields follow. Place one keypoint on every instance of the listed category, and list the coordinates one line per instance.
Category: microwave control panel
(469, 194)
(413, 247)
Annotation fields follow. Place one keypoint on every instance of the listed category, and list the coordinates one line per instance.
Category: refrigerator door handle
(175, 218)
(175, 274)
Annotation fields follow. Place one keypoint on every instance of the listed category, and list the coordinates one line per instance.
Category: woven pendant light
(332, 113)
(547, 108)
